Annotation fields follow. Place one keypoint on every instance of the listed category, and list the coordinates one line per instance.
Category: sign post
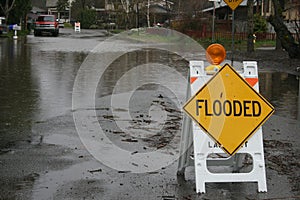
(213, 20)
(233, 4)
(232, 38)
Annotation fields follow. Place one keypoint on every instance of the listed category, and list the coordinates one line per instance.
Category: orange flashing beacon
(215, 54)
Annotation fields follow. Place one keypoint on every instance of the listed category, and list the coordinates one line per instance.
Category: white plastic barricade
(77, 27)
(196, 144)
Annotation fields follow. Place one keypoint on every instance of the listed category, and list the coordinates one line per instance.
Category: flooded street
(65, 101)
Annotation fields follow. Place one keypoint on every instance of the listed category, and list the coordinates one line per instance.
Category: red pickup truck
(46, 24)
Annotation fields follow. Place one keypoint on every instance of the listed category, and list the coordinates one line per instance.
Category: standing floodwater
(282, 89)
(35, 85)
(42, 156)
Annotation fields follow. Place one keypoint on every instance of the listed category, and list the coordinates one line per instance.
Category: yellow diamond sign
(233, 4)
(228, 109)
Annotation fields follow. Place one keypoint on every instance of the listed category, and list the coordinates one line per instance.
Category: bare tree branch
(7, 8)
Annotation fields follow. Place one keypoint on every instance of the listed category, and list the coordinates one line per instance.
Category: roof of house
(51, 3)
(158, 9)
(39, 3)
(37, 10)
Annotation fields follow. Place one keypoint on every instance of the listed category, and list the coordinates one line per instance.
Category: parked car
(46, 24)
(61, 24)
(3, 26)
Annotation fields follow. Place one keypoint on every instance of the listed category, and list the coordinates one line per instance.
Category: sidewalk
(84, 33)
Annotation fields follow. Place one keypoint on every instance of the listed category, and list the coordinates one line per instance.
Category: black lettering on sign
(213, 145)
(198, 101)
(256, 108)
(235, 108)
(217, 108)
(246, 108)
(227, 108)
(216, 145)
(206, 109)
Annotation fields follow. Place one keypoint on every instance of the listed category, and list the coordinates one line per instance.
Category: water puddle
(282, 90)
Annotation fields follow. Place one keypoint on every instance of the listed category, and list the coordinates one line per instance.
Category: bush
(68, 25)
(260, 24)
(94, 26)
(87, 18)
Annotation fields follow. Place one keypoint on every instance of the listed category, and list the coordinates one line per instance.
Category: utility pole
(213, 21)
(148, 13)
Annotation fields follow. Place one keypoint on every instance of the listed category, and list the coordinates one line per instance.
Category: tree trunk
(250, 42)
(148, 13)
(278, 44)
(284, 35)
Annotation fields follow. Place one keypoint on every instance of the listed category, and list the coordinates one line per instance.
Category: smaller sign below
(233, 4)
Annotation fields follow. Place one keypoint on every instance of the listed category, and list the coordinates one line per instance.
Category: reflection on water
(145, 58)
(298, 101)
(55, 73)
(34, 86)
(18, 90)
(282, 90)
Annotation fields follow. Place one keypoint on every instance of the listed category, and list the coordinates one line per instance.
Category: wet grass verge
(240, 45)
(10, 34)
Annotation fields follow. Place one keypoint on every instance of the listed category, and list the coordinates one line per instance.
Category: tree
(191, 8)
(250, 43)
(19, 12)
(284, 35)
(7, 6)
(15, 11)
(79, 5)
(82, 11)
(88, 18)
(62, 5)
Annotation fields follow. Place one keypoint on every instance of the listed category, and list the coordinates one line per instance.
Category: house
(39, 4)
(51, 7)
(112, 12)
(264, 8)
(161, 11)
(292, 10)
(35, 11)
(223, 16)
(292, 15)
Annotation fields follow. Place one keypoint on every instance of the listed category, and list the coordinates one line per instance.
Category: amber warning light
(215, 55)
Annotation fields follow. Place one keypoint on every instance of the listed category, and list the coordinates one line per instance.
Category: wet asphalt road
(137, 102)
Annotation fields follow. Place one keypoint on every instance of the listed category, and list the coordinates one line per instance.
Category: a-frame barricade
(198, 149)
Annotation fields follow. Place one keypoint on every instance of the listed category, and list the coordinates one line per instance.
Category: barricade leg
(186, 142)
